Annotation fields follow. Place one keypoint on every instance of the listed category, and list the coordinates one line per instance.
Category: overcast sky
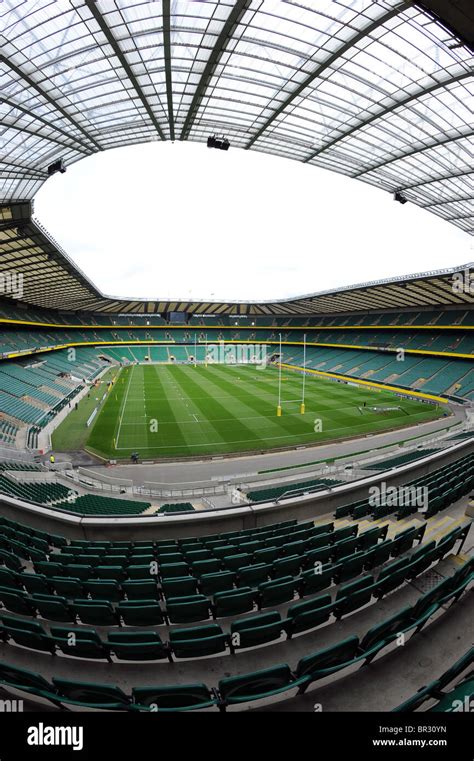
(180, 220)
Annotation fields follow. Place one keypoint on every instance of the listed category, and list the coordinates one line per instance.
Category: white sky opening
(162, 220)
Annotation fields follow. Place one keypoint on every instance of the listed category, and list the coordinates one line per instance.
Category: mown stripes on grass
(222, 409)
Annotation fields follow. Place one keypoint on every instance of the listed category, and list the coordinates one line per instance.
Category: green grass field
(181, 410)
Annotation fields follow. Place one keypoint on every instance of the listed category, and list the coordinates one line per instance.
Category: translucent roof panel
(374, 89)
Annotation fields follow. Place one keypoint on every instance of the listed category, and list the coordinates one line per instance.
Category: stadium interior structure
(260, 576)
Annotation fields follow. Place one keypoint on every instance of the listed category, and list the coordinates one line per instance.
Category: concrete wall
(201, 523)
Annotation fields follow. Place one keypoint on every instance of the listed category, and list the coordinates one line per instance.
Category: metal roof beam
(124, 63)
(443, 203)
(384, 111)
(50, 125)
(168, 73)
(440, 178)
(233, 20)
(409, 154)
(26, 78)
(332, 59)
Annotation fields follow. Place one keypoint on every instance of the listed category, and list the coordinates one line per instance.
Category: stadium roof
(52, 281)
(378, 90)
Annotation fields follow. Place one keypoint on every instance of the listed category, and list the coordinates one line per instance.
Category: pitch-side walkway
(245, 465)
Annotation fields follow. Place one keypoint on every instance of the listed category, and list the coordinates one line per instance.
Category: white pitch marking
(123, 408)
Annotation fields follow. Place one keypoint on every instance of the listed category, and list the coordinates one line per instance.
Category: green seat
(318, 555)
(315, 579)
(276, 592)
(13, 579)
(421, 559)
(390, 581)
(97, 612)
(183, 610)
(370, 538)
(23, 680)
(67, 586)
(345, 532)
(256, 630)
(33, 582)
(237, 561)
(142, 571)
(318, 541)
(181, 585)
(287, 566)
(403, 541)
(140, 613)
(113, 572)
(172, 570)
(385, 632)
(137, 646)
(415, 701)
(266, 555)
(103, 589)
(447, 543)
(210, 583)
(211, 565)
(48, 568)
(11, 561)
(254, 574)
(79, 642)
(94, 696)
(382, 553)
(181, 697)
(92, 560)
(54, 608)
(349, 567)
(224, 549)
(322, 528)
(233, 602)
(140, 589)
(80, 571)
(308, 614)
(193, 555)
(454, 671)
(328, 660)
(236, 690)
(17, 601)
(198, 641)
(354, 595)
(360, 511)
(457, 699)
(28, 634)
(345, 547)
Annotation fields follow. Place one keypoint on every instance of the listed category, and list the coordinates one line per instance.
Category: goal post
(303, 390)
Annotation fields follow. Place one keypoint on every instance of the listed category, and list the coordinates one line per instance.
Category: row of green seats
(301, 616)
(92, 504)
(231, 691)
(274, 492)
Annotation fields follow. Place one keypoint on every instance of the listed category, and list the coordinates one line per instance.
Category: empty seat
(233, 602)
(137, 646)
(182, 610)
(198, 641)
(256, 630)
(140, 612)
(185, 697)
